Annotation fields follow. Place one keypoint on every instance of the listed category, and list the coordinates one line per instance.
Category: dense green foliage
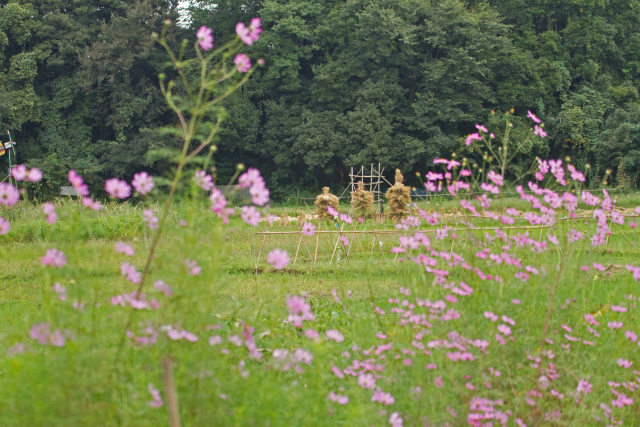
(345, 83)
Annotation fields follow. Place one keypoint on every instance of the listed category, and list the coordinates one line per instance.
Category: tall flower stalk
(217, 80)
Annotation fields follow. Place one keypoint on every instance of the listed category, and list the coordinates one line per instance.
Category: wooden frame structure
(371, 180)
(356, 234)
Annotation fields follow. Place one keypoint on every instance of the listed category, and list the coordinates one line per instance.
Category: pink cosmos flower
(584, 387)
(50, 210)
(614, 325)
(150, 219)
(242, 63)
(312, 335)
(203, 180)
(335, 335)
(142, 182)
(218, 201)
(472, 137)
(91, 204)
(19, 172)
(34, 175)
(54, 258)
(537, 130)
(496, 178)
(366, 381)
(180, 334)
(533, 117)
(339, 399)
(57, 338)
(624, 363)
(490, 188)
(40, 332)
(250, 215)
(382, 397)
(9, 195)
(60, 290)
(504, 330)
(117, 188)
(138, 302)
(250, 34)
(491, 316)
(130, 272)
(278, 259)
(156, 401)
(4, 226)
(308, 229)
(332, 211)
(192, 267)
(250, 178)
(302, 356)
(631, 336)
(163, 287)
(17, 348)
(259, 195)
(123, 248)
(78, 183)
(482, 128)
(205, 38)
(344, 240)
(395, 420)
(576, 175)
(297, 304)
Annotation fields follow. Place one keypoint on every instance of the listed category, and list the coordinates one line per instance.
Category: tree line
(346, 82)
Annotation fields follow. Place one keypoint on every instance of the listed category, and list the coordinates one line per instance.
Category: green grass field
(389, 311)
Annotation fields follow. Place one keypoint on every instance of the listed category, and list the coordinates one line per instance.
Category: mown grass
(101, 378)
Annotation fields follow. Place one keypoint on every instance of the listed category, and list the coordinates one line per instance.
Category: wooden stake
(172, 395)
(315, 258)
(335, 247)
(295, 259)
(260, 253)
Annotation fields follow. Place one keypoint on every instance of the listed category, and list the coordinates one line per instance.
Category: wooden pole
(260, 252)
(350, 243)
(295, 259)
(335, 246)
(315, 258)
(172, 395)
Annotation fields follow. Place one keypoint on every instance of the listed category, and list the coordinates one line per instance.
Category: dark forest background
(346, 82)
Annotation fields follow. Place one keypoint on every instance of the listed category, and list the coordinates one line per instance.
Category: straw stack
(323, 201)
(362, 202)
(284, 220)
(399, 198)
